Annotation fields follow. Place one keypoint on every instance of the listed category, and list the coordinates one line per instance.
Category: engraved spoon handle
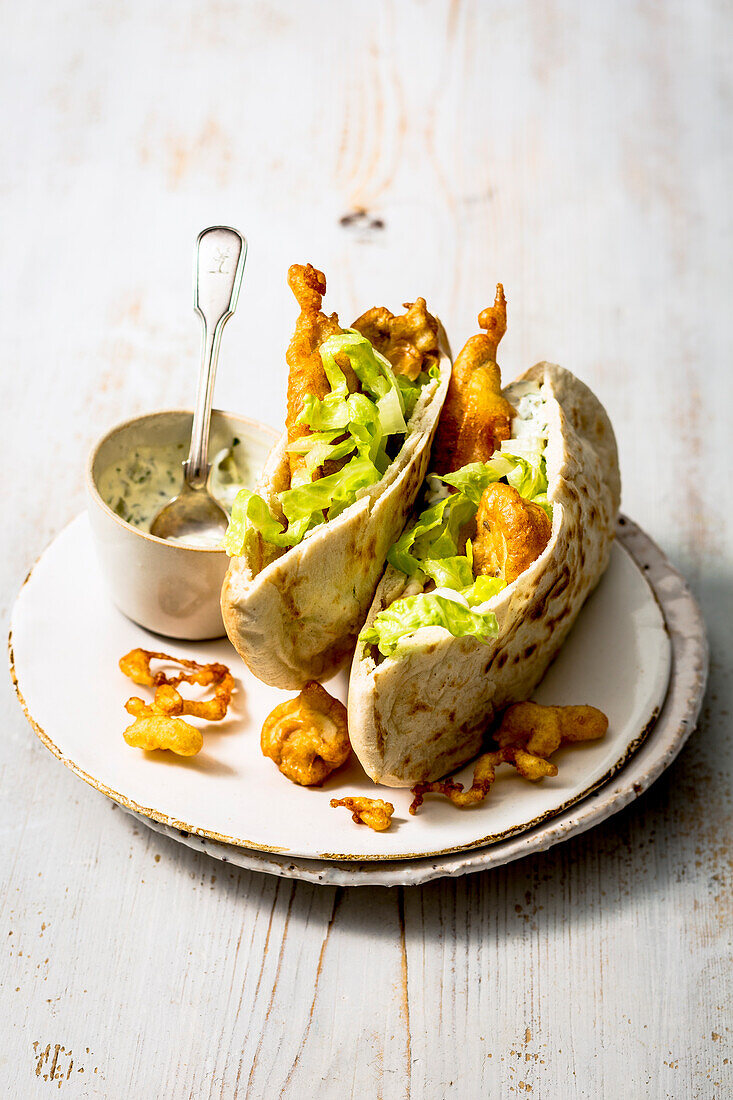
(220, 256)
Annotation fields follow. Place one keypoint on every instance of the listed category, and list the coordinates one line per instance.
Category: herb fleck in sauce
(137, 487)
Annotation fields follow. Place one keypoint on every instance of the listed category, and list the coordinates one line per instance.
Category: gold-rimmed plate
(66, 640)
(674, 724)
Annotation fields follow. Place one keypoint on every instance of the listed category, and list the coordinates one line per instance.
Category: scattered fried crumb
(373, 812)
(527, 735)
(160, 725)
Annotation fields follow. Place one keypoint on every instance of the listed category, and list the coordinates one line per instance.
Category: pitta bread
(296, 618)
(416, 717)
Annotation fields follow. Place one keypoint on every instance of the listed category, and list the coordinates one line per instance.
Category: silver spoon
(194, 516)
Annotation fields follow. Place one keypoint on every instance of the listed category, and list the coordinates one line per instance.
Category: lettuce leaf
(452, 572)
(526, 453)
(410, 389)
(461, 613)
(529, 477)
(250, 511)
(473, 480)
(323, 447)
(331, 494)
(544, 504)
(483, 589)
(429, 523)
(429, 550)
(353, 426)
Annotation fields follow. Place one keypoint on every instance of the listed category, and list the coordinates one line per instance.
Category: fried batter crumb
(159, 725)
(153, 729)
(529, 766)
(542, 730)
(307, 737)
(528, 734)
(374, 812)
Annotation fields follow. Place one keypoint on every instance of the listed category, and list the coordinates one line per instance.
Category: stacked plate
(637, 651)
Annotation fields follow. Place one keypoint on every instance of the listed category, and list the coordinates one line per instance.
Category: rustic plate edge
(686, 628)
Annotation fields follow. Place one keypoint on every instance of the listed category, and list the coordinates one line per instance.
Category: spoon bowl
(193, 517)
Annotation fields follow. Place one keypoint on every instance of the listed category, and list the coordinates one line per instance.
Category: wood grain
(582, 154)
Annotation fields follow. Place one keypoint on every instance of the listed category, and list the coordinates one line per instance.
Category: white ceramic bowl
(169, 589)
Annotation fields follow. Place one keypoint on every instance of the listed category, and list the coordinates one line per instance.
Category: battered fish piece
(475, 418)
(511, 533)
(307, 737)
(409, 341)
(528, 734)
(529, 765)
(307, 375)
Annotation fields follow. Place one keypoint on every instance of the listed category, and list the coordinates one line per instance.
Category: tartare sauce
(138, 486)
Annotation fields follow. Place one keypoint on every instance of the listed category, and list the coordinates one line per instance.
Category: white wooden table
(580, 152)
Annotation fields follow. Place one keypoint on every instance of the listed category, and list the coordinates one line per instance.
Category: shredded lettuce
(429, 550)
(461, 613)
(329, 494)
(453, 572)
(473, 480)
(529, 476)
(410, 391)
(437, 531)
(353, 426)
(250, 511)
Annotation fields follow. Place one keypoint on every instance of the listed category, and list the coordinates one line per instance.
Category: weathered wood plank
(580, 153)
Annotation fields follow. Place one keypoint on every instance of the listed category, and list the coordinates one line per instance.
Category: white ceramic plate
(675, 723)
(617, 658)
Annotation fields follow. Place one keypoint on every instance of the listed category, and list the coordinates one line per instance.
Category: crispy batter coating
(528, 734)
(151, 730)
(475, 418)
(159, 725)
(307, 376)
(542, 730)
(409, 341)
(511, 533)
(530, 766)
(308, 736)
(136, 665)
(374, 812)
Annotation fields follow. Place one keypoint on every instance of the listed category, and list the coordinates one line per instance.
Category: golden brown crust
(307, 737)
(374, 812)
(542, 730)
(528, 734)
(511, 533)
(306, 374)
(475, 418)
(152, 731)
(409, 340)
(529, 766)
(159, 725)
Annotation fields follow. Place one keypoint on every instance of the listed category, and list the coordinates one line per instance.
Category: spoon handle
(220, 256)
